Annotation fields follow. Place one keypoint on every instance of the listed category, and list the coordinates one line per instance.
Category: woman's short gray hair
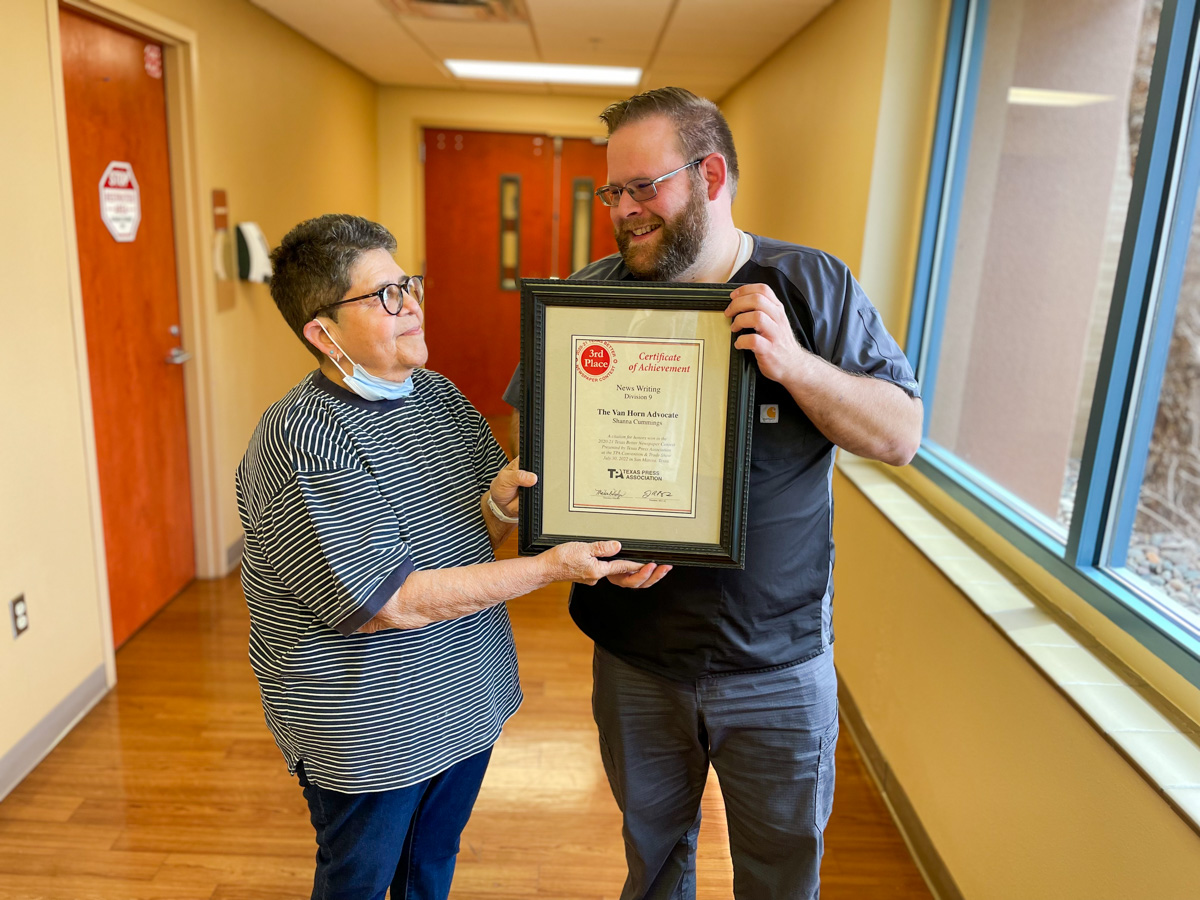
(311, 266)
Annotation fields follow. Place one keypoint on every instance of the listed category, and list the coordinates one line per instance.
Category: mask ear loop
(336, 344)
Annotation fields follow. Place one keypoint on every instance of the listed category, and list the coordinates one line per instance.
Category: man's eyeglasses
(390, 295)
(639, 189)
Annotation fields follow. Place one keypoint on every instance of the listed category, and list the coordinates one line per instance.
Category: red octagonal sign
(120, 201)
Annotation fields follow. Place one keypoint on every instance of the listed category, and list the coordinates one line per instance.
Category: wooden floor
(172, 789)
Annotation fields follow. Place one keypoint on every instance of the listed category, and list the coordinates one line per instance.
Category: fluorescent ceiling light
(543, 73)
(1040, 97)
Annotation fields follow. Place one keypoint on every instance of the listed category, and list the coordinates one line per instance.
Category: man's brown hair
(701, 127)
(311, 266)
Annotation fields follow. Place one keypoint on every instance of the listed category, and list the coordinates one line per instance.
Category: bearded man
(734, 668)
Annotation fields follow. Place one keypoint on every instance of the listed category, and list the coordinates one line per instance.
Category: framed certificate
(636, 420)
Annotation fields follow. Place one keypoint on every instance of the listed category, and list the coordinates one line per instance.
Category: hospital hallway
(172, 788)
(954, 239)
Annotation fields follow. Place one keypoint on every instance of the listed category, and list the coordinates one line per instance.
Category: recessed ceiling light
(543, 73)
(1020, 96)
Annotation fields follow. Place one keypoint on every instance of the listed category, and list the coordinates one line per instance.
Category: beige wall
(290, 133)
(1021, 796)
(403, 112)
(804, 124)
(907, 113)
(46, 533)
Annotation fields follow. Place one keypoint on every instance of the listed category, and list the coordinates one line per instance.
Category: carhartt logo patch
(769, 413)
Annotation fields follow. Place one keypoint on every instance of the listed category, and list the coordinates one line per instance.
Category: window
(1056, 308)
(582, 202)
(510, 232)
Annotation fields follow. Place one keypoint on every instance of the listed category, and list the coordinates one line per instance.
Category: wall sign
(120, 201)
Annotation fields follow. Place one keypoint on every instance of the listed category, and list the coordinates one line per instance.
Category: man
(728, 667)
(372, 497)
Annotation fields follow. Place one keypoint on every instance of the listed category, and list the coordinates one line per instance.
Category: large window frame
(1134, 356)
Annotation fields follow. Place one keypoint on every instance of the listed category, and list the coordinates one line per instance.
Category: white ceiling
(707, 46)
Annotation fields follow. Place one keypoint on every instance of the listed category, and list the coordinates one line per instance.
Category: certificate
(636, 420)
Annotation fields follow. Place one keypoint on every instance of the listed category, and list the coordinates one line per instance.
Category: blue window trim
(936, 184)
(1134, 298)
(1165, 186)
(1162, 308)
(956, 119)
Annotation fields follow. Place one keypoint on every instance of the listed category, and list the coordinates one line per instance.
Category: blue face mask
(363, 383)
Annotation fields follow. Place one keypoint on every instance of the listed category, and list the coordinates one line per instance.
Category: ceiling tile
(760, 26)
(362, 34)
(509, 41)
(704, 45)
(612, 33)
(726, 40)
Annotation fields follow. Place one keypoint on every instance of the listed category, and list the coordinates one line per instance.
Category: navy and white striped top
(341, 498)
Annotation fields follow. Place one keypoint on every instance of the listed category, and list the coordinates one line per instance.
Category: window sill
(1143, 725)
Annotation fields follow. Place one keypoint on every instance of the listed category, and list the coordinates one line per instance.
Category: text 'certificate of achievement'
(636, 417)
(635, 425)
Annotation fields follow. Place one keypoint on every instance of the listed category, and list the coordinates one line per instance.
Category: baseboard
(32, 749)
(923, 851)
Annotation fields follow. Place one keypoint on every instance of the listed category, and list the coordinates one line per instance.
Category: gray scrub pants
(771, 737)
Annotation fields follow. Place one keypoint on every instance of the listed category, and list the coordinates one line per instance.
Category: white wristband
(498, 512)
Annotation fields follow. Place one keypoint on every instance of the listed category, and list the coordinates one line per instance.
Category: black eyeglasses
(639, 189)
(390, 295)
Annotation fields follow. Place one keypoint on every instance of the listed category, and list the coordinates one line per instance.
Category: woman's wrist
(498, 512)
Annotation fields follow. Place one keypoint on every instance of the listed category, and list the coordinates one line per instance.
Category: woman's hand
(585, 563)
(505, 486)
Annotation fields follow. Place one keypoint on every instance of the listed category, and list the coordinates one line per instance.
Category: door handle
(178, 356)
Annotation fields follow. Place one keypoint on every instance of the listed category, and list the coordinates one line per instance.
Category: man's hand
(647, 576)
(584, 563)
(870, 417)
(774, 345)
(505, 484)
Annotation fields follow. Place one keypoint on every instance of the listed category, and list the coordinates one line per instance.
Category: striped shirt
(341, 498)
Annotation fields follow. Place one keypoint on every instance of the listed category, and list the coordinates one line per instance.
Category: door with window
(500, 207)
(120, 173)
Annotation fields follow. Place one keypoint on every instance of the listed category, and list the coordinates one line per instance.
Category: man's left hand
(647, 576)
(505, 484)
(773, 343)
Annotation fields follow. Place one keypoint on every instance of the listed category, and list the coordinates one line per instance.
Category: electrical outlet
(20, 616)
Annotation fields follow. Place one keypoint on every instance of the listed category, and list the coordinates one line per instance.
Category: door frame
(196, 280)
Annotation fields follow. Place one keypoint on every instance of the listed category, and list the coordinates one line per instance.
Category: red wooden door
(116, 113)
(473, 306)
(585, 231)
(472, 320)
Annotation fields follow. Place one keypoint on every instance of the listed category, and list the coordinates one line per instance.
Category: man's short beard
(680, 244)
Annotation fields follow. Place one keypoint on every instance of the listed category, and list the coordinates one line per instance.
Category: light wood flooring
(172, 789)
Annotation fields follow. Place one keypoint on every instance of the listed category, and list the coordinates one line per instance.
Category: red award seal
(596, 360)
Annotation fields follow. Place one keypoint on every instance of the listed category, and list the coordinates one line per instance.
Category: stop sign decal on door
(120, 201)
